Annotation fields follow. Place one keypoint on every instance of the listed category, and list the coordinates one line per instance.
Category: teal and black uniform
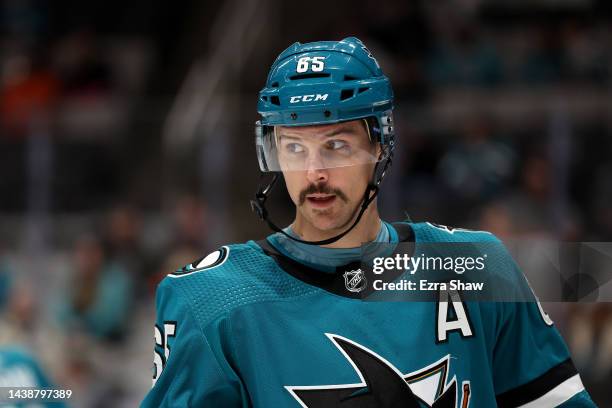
(272, 324)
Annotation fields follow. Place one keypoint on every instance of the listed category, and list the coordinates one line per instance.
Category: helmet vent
(363, 89)
(275, 100)
(306, 76)
(350, 78)
(346, 93)
(274, 85)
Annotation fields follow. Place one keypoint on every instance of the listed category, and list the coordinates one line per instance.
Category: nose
(315, 171)
(317, 176)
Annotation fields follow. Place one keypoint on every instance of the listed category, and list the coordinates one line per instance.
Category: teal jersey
(251, 326)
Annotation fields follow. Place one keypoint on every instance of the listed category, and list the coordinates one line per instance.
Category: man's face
(326, 169)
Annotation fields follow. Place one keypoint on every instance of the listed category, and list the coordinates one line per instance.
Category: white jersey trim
(558, 395)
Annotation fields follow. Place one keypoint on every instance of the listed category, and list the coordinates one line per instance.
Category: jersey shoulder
(432, 232)
(462, 243)
(231, 277)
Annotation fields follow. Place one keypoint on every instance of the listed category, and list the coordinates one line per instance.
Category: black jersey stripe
(536, 388)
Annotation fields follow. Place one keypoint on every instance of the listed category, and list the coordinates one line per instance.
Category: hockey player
(285, 322)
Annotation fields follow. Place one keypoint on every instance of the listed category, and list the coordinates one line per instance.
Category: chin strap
(259, 204)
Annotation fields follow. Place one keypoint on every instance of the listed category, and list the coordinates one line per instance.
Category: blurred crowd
(81, 156)
(88, 314)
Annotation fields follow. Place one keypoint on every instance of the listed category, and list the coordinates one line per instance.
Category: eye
(337, 145)
(294, 148)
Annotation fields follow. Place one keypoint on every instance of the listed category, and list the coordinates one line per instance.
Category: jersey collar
(334, 282)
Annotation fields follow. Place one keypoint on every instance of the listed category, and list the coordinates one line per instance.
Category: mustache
(321, 189)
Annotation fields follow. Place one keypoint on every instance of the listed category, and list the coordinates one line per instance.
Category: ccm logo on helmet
(308, 98)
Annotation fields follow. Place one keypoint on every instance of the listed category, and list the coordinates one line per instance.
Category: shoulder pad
(231, 277)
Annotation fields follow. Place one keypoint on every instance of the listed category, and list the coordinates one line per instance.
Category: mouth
(321, 200)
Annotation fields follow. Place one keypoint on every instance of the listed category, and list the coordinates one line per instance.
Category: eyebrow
(335, 132)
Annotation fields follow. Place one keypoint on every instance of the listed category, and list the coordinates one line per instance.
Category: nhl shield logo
(355, 281)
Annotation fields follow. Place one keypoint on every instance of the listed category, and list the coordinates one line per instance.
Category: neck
(366, 230)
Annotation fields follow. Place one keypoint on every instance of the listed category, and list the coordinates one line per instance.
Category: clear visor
(284, 148)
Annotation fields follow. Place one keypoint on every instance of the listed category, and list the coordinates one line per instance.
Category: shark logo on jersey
(355, 281)
(382, 385)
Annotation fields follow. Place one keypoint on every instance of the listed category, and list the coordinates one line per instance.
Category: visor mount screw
(294, 116)
(327, 114)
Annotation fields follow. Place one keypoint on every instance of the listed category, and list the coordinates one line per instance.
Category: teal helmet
(324, 82)
(320, 83)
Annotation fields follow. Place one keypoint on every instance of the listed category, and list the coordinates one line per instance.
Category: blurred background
(126, 151)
